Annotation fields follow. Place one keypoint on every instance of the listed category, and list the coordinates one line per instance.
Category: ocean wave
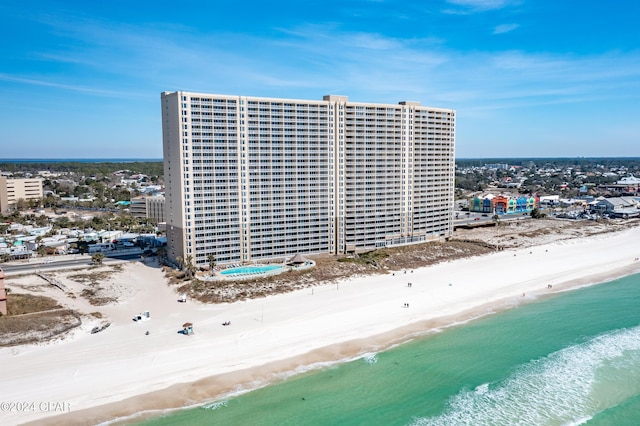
(566, 387)
(482, 389)
(215, 405)
(370, 358)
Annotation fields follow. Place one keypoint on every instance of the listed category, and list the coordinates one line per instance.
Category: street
(70, 261)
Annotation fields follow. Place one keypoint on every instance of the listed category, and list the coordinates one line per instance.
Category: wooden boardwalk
(52, 281)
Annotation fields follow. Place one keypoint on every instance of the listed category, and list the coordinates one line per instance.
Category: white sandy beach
(98, 377)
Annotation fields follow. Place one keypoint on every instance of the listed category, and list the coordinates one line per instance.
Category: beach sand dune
(122, 370)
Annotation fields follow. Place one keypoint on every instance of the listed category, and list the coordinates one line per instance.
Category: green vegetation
(188, 267)
(94, 278)
(633, 163)
(101, 220)
(368, 258)
(18, 304)
(98, 185)
(569, 177)
(37, 327)
(536, 214)
(97, 258)
(211, 259)
(149, 168)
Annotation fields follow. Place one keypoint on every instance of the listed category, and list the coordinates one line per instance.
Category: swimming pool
(250, 270)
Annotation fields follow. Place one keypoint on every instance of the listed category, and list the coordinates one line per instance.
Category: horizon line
(132, 159)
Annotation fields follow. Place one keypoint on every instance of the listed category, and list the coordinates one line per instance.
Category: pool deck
(218, 276)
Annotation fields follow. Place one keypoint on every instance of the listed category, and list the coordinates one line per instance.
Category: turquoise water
(568, 360)
(244, 270)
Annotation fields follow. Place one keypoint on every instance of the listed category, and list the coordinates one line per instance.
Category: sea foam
(557, 389)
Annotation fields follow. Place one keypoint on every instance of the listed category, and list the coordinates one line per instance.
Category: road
(473, 218)
(63, 262)
(482, 218)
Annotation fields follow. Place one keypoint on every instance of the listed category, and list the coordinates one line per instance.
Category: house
(627, 185)
(621, 207)
(549, 200)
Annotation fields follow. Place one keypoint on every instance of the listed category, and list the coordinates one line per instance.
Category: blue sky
(528, 78)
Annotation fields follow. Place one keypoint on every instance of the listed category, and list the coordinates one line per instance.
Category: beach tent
(187, 328)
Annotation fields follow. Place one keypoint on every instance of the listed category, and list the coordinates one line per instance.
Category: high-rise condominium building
(260, 178)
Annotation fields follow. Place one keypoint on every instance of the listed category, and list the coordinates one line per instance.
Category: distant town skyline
(527, 78)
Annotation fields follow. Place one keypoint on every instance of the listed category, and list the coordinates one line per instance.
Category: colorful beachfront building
(504, 204)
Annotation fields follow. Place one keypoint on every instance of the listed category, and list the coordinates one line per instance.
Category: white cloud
(63, 86)
(471, 6)
(505, 28)
(320, 58)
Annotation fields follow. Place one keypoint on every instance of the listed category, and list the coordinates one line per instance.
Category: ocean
(570, 359)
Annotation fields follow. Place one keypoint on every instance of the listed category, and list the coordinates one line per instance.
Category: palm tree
(127, 221)
(97, 258)
(42, 250)
(162, 252)
(180, 262)
(189, 266)
(212, 262)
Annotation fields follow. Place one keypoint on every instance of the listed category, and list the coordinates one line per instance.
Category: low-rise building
(622, 207)
(138, 207)
(550, 200)
(109, 236)
(12, 190)
(148, 207)
(504, 204)
(625, 186)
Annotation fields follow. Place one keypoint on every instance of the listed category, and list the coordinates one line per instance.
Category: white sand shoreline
(120, 371)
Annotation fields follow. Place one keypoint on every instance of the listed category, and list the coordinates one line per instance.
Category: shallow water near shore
(570, 359)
